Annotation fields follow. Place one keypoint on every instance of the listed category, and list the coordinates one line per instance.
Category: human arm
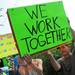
(54, 62)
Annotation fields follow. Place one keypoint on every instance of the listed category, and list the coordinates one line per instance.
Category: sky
(69, 6)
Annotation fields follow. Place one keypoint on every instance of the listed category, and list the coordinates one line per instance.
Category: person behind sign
(62, 66)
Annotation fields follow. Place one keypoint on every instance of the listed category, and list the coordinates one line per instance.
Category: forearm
(54, 63)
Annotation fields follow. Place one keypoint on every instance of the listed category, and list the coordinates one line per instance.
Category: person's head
(65, 50)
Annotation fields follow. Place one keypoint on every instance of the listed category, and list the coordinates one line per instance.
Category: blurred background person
(62, 66)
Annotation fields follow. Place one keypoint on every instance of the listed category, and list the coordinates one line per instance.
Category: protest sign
(39, 27)
(7, 46)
